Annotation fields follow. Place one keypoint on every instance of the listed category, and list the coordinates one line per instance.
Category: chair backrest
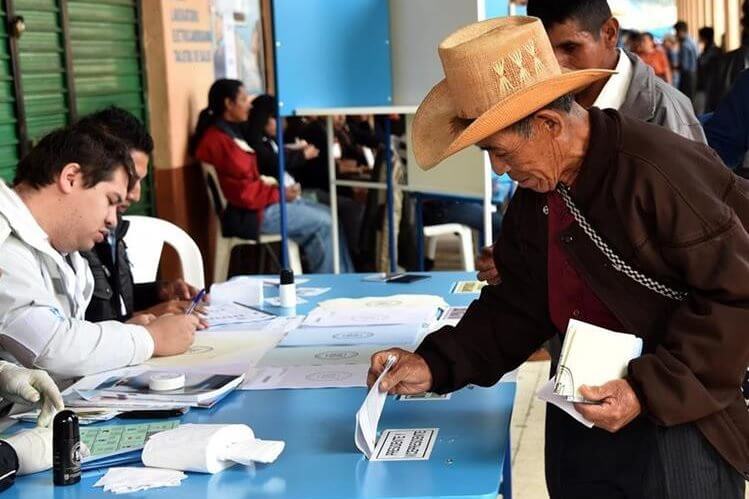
(145, 240)
(215, 195)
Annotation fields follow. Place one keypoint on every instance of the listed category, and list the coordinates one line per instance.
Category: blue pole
(419, 231)
(281, 149)
(392, 252)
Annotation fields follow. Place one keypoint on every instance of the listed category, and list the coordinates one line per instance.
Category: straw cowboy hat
(497, 72)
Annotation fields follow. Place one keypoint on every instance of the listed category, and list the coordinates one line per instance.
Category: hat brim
(436, 134)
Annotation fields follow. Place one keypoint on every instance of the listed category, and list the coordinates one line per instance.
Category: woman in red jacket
(218, 141)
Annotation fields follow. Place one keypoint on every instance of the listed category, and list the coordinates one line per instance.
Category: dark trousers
(641, 461)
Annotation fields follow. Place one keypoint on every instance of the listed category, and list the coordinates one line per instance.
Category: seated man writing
(115, 296)
(64, 200)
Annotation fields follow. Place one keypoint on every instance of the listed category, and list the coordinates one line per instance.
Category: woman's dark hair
(263, 108)
(220, 91)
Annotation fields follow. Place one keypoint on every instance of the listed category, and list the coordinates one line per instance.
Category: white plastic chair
(224, 245)
(145, 241)
(432, 234)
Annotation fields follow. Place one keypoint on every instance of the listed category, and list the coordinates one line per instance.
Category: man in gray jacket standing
(584, 35)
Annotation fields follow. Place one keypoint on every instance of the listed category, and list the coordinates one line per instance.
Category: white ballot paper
(288, 377)
(384, 302)
(546, 393)
(409, 444)
(368, 416)
(229, 314)
(592, 356)
(324, 317)
(242, 289)
(326, 355)
(391, 334)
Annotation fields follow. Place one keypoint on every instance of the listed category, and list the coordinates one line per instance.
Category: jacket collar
(603, 147)
(640, 100)
(21, 222)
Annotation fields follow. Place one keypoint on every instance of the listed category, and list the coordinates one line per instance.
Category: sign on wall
(238, 42)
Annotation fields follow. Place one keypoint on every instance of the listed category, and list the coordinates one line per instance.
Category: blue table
(471, 457)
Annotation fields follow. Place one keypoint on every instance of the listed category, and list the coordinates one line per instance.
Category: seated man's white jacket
(43, 300)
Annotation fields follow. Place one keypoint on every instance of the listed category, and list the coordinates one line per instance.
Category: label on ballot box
(413, 444)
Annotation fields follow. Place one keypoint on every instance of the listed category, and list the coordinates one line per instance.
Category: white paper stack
(130, 479)
(591, 356)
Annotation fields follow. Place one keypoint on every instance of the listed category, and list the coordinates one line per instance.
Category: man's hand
(618, 405)
(29, 386)
(293, 192)
(178, 290)
(409, 375)
(173, 334)
(141, 319)
(311, 152)
(485, 265)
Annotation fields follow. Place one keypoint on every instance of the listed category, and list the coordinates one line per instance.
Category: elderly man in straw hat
(618, 223)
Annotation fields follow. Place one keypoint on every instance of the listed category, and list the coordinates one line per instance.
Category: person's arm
(145, 295)
(8, 465)
(37, 332)
(696, 369)
(501, 329)
(727, 130)
(230, 161)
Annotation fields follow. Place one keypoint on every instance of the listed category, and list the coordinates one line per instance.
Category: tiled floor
(527, 433)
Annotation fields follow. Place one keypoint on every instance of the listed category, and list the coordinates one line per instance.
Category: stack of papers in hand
(591, 356)
(126, 480)
(132, 385)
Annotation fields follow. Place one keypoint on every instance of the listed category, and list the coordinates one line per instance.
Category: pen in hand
(195, 302)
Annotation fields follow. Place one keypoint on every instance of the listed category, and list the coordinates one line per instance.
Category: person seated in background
(28, 451)
(115, 296)
(64, 200)
(260, 133)
(654, 56)
(218, 141)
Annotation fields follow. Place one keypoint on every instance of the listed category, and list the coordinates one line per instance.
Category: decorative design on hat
(517, 58)
(504, 84)
(530, 48)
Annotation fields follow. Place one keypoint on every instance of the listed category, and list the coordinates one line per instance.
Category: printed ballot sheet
(230, 314)
(324, 317)
(368, 416)
(293, 377)
(394, 335)
(223, 352)
(327, 355)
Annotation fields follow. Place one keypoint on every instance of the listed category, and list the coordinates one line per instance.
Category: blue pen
(195, 302)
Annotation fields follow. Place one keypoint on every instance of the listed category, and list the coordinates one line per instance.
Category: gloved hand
(29, 386)
(34, 449)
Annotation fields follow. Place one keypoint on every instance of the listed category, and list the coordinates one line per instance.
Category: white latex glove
(30, 386)
(34, 449)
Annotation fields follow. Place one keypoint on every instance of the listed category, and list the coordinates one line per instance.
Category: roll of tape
(163, 382)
